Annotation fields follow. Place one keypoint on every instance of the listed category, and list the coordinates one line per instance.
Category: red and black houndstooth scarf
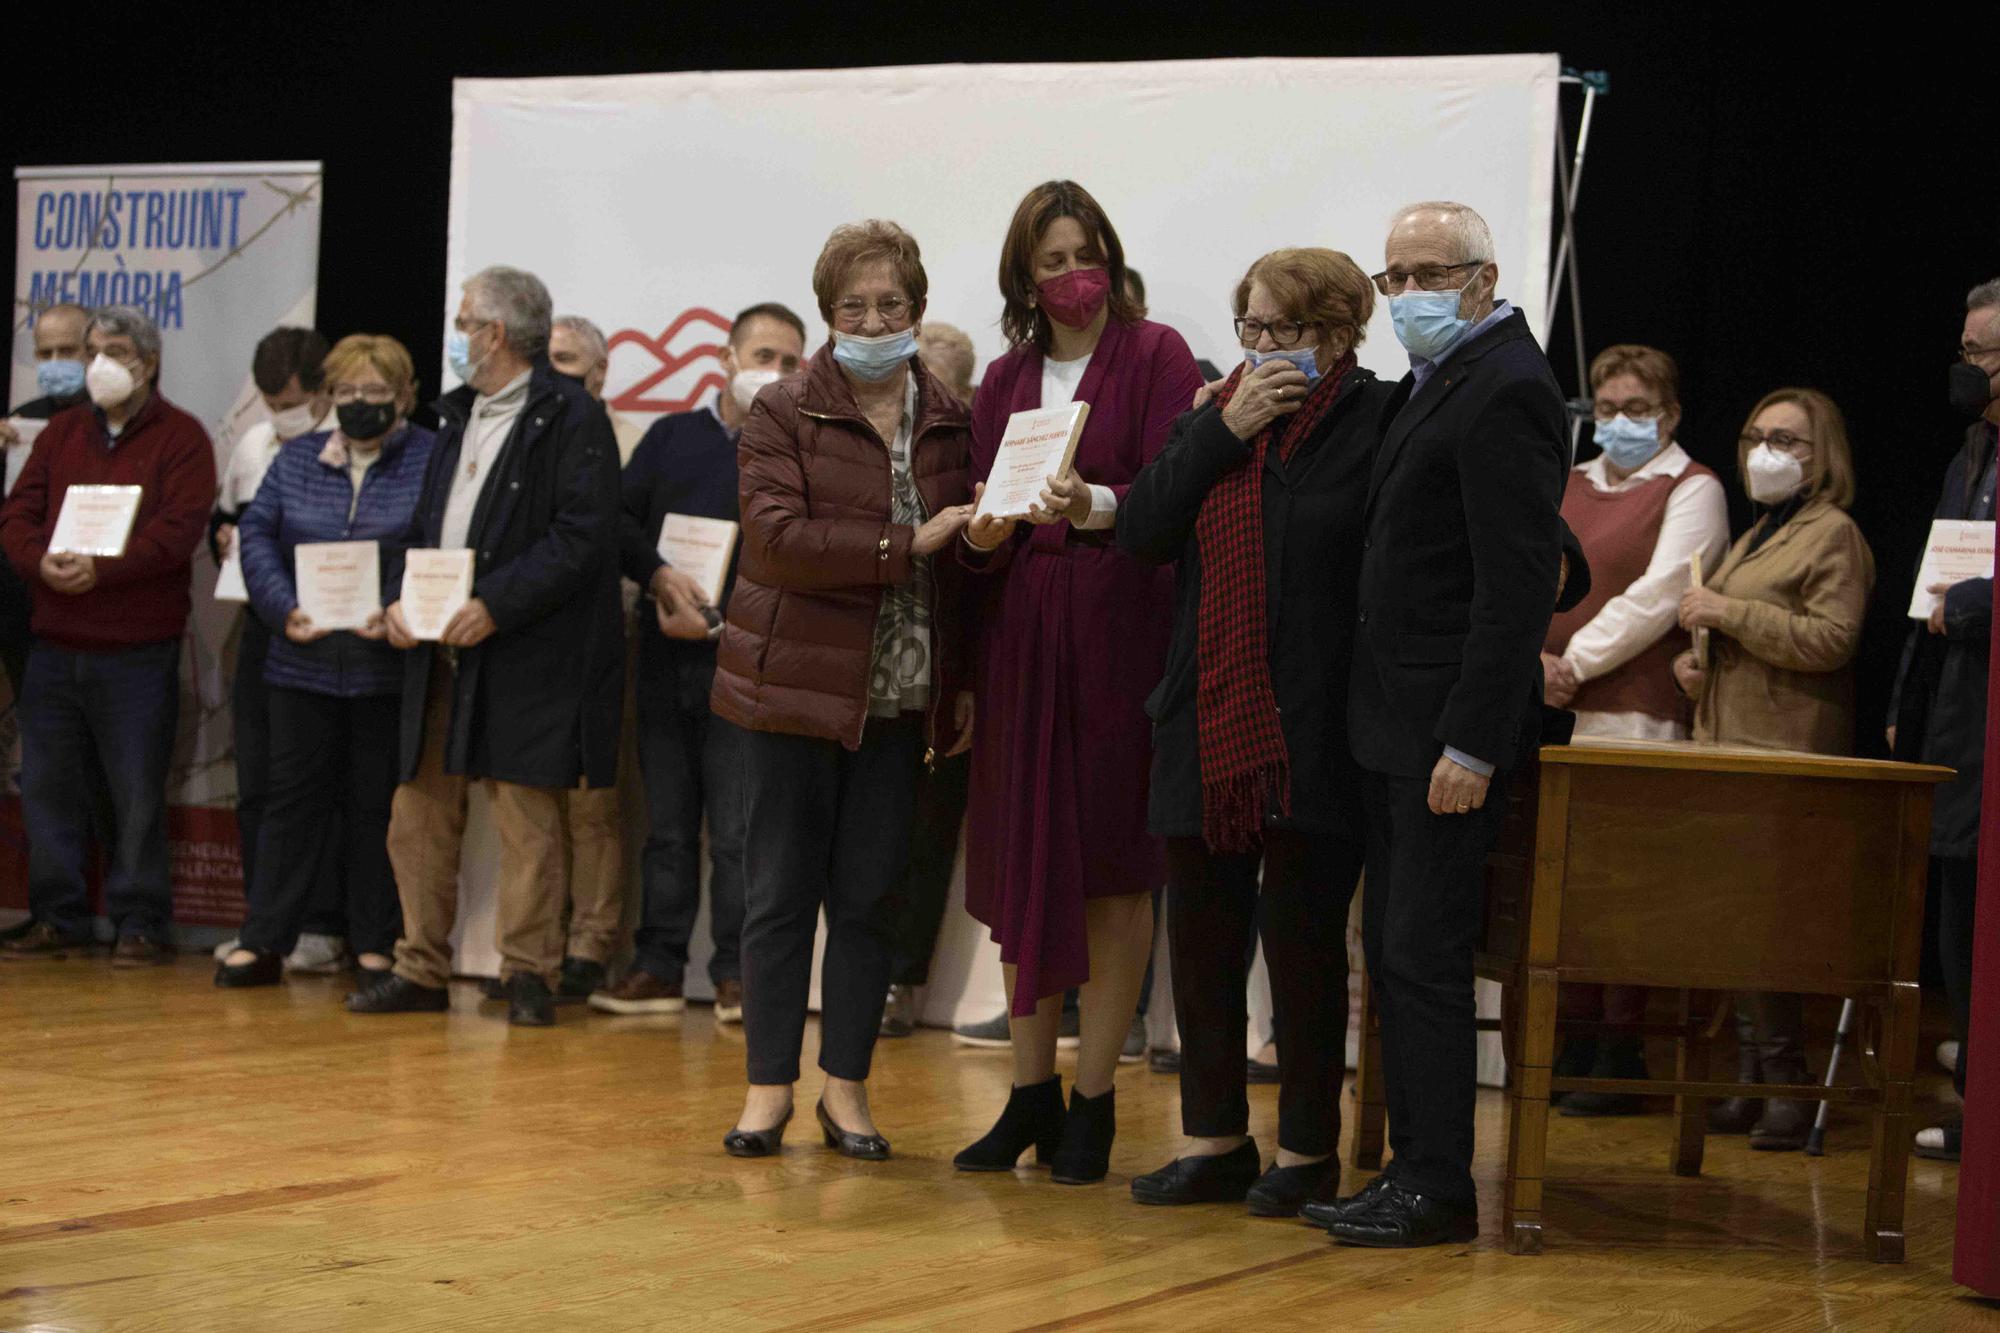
(1243, 757)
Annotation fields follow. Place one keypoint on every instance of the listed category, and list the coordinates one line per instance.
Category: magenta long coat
(1071, 638)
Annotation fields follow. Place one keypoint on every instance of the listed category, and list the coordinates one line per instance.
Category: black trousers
(1212, 919)
(919, 907)
(1958, 890)
(333, 776)
(250, 723)
(1420, 921)
(825, 827)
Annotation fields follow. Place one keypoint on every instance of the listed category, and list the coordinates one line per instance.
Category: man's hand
(1938, 590)
(70, 574)
(963, 711)
(1456, 789)
(1689, 675)
(1703, 608)
(680, 620)
(1067, 496)
(299, 628)
(1559, 682)
(398, 628)
(470, 627)
(987, 532)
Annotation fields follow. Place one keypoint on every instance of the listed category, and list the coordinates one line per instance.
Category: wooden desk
(1697, 868)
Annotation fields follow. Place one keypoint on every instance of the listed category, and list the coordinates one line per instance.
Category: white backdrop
(659, 204)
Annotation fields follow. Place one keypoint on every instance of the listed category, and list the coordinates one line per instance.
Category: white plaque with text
(229, 585)
(700, 548)
(435, 585)
(1959, 549)
(1038, 444)
(95, 520)
(340, 583)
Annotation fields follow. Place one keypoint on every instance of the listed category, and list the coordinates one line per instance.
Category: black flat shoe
(580, 979)
(399, 995)
(1033, 1118)
(1402, 1219)
(1284, 1190)
(266, 969)
(1324, 1213)
(1224, 1178)
(757, 1142)
(1784, 1125)
(1261, 1071)
(529, 1004)
(1083, 1157)
(861, 1147)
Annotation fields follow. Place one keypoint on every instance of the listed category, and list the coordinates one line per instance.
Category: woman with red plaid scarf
(1259, 495)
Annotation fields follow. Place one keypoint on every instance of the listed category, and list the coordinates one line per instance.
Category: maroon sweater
(141, 597)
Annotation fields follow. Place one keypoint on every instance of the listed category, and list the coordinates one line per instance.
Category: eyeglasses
(1284, 332)
(893, 309)
(368, 393)
(1777, 439)
(1635, 408)
(1973, 351)
(1430, 277)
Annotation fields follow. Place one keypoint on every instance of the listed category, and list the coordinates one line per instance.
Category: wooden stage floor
(177, 1158)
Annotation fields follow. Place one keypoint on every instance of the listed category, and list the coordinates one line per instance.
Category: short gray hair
(1986, 296)
(128, 321)
(1471, 237)
(518, 300)
(593, 337)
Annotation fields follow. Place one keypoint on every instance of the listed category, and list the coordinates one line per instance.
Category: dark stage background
(1768, 200)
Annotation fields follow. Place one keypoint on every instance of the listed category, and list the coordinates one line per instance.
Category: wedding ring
(1464, 805)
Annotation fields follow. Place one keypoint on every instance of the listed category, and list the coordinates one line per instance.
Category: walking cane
(1816, 1141)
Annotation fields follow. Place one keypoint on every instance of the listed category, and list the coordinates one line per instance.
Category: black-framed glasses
(1777, 439)
(1430, 277)
(1284, 332)
(893, 310)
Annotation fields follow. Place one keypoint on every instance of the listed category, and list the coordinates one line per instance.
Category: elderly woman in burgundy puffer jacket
(841, 662)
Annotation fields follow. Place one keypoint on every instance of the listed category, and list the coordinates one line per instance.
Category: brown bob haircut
(1648, 365)
(856, 243)
(1832, 474)
(1313, 286)
(1020, 319)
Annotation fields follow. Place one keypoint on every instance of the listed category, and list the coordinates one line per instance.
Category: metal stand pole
(1816, 1140)
(1567, 266)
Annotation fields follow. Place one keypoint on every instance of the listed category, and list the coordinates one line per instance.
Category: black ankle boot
(1034, 1115)
(1084, 1155)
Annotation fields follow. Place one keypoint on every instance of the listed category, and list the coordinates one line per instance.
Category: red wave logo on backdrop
(674, 380)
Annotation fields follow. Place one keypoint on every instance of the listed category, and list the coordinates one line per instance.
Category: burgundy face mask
(1073, 299)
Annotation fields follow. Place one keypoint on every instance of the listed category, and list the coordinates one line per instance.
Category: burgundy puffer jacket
(819, 548)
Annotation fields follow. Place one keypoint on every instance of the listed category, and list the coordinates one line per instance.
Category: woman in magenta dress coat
(1073, 637)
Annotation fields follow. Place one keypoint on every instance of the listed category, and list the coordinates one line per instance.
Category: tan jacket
(1780, 670)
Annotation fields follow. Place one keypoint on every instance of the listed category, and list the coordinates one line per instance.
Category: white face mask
(109, 382)
(1775, 476)
(294, 421)
(749, 383)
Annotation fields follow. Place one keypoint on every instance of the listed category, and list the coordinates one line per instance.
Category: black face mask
(365, 421)
(1971, 389)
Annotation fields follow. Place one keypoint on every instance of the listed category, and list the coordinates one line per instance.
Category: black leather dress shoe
(399, 995)
(1283, 1190)
(1325, 1212)
(580, 979)
(1224, 1178)
(756, 1142)
(862, 1147)
(266, 969)
(529, 1004)
(1402, 1219)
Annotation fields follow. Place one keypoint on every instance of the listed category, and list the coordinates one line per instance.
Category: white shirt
(1696, 521)
(1060, 380)
(251, 459)
(486, 432)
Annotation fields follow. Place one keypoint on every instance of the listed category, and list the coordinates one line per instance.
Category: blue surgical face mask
(1305, 358)
(1628, 442)
(59, 379)
(874, 358)
(1427, 323)
(458, 354)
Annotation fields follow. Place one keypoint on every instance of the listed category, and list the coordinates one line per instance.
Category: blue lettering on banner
(188, 219)
(158, 292)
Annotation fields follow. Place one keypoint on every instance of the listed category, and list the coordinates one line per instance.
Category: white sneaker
(317, 955)
(1947, 1056)
(227, 947)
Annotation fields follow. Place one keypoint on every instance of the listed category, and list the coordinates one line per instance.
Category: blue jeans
(84, 714)
(691, 764)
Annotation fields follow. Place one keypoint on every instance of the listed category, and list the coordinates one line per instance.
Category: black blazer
(1312, 559)
(1460, 558)
(538, 703)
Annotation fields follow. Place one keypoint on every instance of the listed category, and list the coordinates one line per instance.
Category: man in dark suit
(1459, 576)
